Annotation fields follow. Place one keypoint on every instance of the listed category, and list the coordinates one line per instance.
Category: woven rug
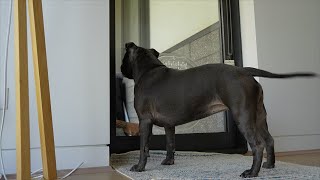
(196, 165)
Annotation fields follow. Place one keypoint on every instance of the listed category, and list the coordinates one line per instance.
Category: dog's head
(132, 56)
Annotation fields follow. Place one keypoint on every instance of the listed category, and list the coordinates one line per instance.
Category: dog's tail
(263, 73)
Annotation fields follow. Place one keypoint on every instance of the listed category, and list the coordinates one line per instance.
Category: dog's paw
(248, 174)
(267, 165)
(168, 161)
(137, 168)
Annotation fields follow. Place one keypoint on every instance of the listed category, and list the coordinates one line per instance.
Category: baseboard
(289, 153)
(296, 142)
(66, 158)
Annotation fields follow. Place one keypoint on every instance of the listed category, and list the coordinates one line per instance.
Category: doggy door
(186, 32)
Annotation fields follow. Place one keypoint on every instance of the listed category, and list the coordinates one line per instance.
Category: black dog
(168, 97)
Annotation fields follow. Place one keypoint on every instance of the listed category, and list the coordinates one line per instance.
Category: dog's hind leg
(269, 143)
(262, 127)
(145, 127)
(270, 150)
(170, 140)
(245, 119)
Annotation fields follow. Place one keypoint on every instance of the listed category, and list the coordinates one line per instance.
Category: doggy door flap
(187, 33)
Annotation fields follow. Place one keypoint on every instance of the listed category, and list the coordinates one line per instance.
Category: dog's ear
(155, 52)
(129, 45)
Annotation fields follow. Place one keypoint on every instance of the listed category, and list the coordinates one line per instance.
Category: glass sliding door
(187, 33)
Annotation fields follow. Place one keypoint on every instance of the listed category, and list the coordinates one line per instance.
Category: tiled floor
(310, 159)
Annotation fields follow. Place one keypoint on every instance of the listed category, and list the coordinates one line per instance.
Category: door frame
(230, 141)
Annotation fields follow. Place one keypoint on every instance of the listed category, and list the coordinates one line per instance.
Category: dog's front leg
(145, 127)
(170, 138)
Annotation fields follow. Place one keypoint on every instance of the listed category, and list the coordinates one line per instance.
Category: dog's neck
(146, 65)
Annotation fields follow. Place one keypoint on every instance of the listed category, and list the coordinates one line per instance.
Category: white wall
(283, 37)
(77, 39)
(248, 33)
(172, 21)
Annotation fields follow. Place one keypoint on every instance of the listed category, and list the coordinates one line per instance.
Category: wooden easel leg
(22, 92)
(42, 89)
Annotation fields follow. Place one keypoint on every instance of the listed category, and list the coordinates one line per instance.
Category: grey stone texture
(201, 48)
